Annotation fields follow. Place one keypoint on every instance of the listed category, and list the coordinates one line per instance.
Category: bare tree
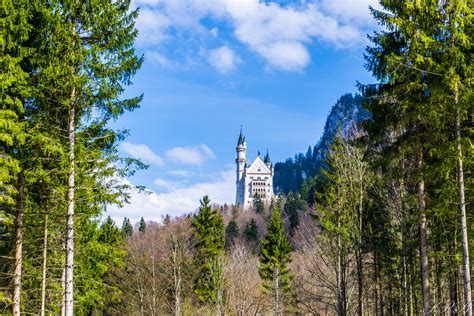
(243, 281)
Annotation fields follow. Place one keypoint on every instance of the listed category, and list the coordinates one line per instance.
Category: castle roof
(258, 166)
(241, 140)
(267, 158)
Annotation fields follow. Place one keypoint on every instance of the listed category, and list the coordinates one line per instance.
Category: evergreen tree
(274, 258)
(127, 228)
(251, 231)
(291, 209)
(208, 229)
(231, 233)
(167, 220)
(142, 225)
(258, 204)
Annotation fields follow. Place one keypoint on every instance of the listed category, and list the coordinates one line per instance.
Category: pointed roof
(267, 158)
(241, 138)
(258, 166)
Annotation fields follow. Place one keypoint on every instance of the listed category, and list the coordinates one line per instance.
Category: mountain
(345, 114)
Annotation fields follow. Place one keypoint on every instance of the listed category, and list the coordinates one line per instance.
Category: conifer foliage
(275, 256)
(208, 228)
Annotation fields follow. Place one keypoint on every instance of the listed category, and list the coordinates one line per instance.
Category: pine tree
(258, 204)
(251, 231)
(291, 209)
(274, 258)
(127, 228)
(208, 229)
(14, 31)
(231, 233)
(142, 225)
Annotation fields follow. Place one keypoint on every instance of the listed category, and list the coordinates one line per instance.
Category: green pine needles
(208, 228)
(274, 258)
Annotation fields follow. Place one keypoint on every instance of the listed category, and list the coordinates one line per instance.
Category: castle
(254, 180)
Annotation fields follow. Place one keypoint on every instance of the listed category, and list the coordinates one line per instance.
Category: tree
(127, 228)
(291, 209)
(231, 233)
(251, 231)
(14, 18)
(343, 202)
(208, 229)
(274, 258)
(258, 204)
(95, 66)
(142, 225)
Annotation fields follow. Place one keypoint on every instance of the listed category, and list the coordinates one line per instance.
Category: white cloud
(142, 152)
(286, 55)
(351, 11)
(190, 155)
(181, 173)
(223, 59)
(278, 33)
(154, 206)
(159, 59)
(167, 185)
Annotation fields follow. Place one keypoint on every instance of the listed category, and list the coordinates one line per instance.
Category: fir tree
(258, 204)
(291, 209)
(127, 228)
(142, 225)
(231, 233)
(251, 231)
(274, 259)
(208, 229)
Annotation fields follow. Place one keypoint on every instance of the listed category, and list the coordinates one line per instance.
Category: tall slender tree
(208, 228)
(275, 256)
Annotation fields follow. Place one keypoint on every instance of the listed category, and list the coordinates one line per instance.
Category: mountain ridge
(345, 114)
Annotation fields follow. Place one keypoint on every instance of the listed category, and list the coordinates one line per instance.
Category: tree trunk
(18, 247)
(338, 274)
(277, 289)
(45, 256)
(68, 297)
(425, 281)
(360, 268)
(462, 209)
(176, 256)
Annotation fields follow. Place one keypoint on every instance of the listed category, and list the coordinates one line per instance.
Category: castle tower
(254, 180)
(241, 162)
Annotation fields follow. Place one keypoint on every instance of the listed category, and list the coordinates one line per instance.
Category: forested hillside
(344, 116)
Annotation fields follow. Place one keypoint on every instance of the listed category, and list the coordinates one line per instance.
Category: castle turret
(267, 161)
(241, 156)
(241, 162)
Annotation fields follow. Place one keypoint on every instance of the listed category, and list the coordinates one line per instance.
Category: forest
(381, 224)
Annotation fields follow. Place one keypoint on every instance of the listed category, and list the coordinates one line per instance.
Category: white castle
(254, 180)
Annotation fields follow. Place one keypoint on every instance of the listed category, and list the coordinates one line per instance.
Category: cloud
(181, 173)
(351, 11)
(167, 185)
(142, 152)
(278, 33)
(159, 59)
(153, 206)
(190, 155)
(223, 59)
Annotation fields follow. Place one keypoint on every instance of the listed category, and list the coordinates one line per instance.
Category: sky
(211, 66)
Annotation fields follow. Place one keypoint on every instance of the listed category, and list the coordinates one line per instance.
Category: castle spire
(241, 137)
(267, 158)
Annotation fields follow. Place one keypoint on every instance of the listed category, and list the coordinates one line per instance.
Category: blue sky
(275, 67)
